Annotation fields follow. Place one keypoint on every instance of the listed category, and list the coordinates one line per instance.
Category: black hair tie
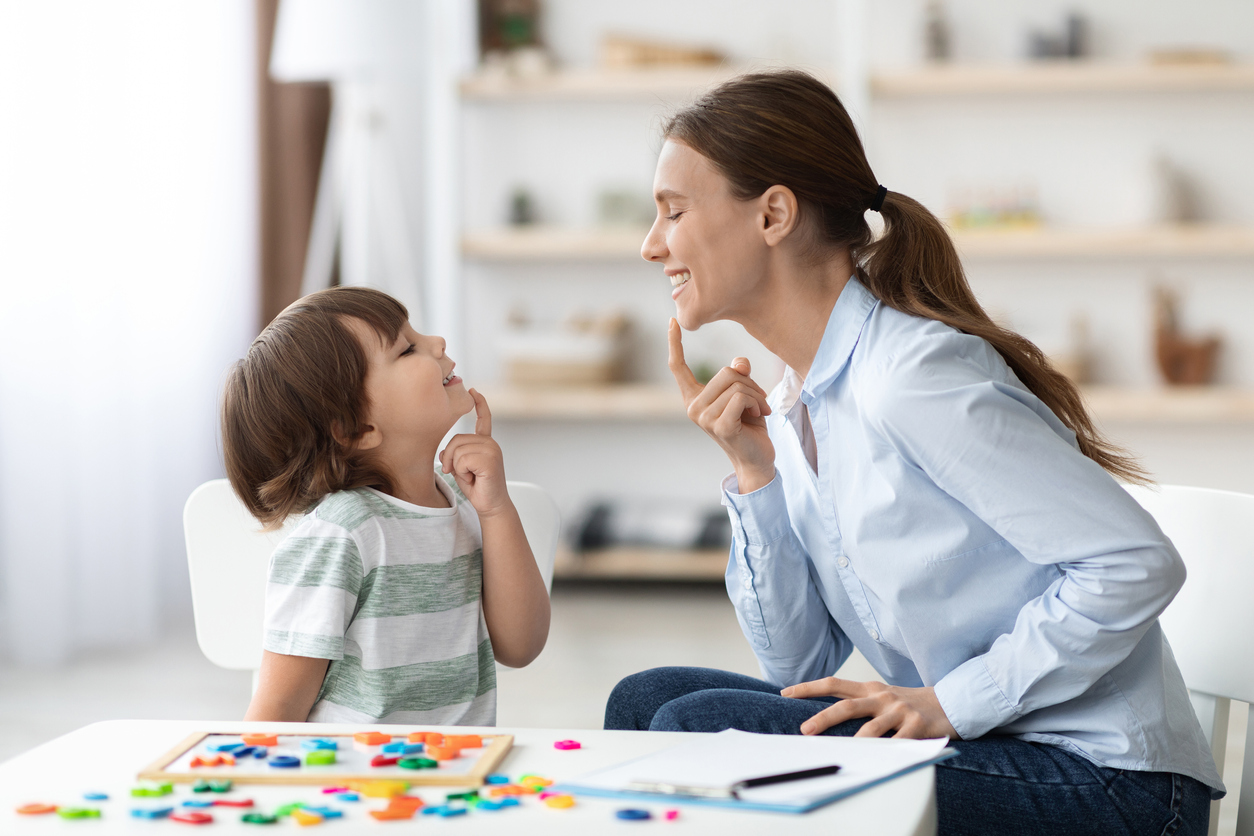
(877, 202)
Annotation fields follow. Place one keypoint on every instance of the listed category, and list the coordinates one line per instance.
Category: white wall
(1089, 155)
(127, 284)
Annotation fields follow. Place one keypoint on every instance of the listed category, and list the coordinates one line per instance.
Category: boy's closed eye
(409, 350)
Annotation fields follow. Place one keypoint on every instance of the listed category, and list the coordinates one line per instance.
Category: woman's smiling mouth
(678, 280)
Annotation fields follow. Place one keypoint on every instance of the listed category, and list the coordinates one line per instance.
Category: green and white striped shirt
(391, 593)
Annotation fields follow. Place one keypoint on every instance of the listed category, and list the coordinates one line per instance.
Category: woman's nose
(654, 246)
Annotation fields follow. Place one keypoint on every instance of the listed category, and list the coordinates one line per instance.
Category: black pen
(767, 780)
(668, 788)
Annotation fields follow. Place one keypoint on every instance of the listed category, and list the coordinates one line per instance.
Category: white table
(106, 756)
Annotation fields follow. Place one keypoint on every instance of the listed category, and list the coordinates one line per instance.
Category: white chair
(1210, 624)
(228, 556)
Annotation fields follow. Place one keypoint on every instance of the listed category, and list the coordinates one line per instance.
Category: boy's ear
(368, 440)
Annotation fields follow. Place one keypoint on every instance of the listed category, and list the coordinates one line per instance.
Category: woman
(922, 486)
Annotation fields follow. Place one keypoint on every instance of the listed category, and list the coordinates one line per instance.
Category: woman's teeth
(680, 278)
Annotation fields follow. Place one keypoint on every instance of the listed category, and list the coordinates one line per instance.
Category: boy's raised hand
(476, 463)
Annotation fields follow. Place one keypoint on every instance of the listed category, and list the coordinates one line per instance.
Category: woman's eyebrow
(665, 195)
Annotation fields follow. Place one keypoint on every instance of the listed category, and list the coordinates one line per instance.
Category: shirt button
(842, 562)
(875, 636)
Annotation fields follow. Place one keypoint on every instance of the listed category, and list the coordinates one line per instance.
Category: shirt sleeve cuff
(760, 517)
(972, 701)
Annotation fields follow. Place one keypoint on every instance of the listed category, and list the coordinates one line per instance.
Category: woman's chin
(688, 319)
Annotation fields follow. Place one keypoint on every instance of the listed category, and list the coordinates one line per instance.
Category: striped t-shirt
(390, 593)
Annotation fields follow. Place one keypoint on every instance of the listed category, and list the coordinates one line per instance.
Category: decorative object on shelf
(619, 52)
(1178, 196)
(522, 207)
(506, 25)
(624, 207)
(937, 45)
(1071, 42)
(509, 39)
(652, 524)
(1183, 361)
(583, 350)
(1000, 207)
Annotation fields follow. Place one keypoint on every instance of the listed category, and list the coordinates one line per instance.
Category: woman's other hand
(732, 410)
(911, 712)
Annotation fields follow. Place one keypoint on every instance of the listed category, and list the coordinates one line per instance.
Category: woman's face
(709, 242)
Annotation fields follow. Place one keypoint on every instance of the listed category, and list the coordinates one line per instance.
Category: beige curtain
(292, 129)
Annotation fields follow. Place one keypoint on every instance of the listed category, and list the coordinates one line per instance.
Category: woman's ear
(780, 214)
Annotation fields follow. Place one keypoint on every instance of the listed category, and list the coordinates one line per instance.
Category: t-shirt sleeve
(311, 594)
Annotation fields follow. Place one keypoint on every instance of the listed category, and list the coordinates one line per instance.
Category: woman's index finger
(689, 387)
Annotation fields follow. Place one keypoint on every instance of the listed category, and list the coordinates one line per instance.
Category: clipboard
(732, 756)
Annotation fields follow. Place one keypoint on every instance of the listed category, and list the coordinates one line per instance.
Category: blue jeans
(996, 785)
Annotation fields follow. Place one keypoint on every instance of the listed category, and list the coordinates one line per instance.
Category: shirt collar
(844, 326)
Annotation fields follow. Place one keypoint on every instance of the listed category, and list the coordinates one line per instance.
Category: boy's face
(414, 397)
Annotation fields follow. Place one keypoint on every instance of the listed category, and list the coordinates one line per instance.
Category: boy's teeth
(680, 278)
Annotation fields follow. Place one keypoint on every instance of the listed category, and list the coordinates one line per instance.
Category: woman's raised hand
(732, 410)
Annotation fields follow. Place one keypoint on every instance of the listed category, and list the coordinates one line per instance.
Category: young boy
(404, 583)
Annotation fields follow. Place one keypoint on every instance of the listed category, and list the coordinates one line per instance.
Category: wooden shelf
(627, 563)
(596, 85)
(553, 243)
(1164, 241)
(616, 402)
(1043, 77)
(1204, 405)
(549, 243)
(1063, 77)
(1178, 405)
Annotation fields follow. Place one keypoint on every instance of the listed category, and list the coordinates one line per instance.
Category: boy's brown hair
(293, 407)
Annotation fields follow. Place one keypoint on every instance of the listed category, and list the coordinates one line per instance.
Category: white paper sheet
(730, 756)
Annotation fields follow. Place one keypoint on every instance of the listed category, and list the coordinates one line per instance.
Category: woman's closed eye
(675, 216)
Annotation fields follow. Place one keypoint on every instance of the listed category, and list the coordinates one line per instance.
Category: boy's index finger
(483, 415)
(689, 387)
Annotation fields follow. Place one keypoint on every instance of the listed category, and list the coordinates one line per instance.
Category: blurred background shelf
(651, 402)
(1165, 240)
(1044, 77)
(625, 563)
(595, 85)
(552, 243)
(620, 401)
(1180, 405)
(555, 243)
(1064, 77)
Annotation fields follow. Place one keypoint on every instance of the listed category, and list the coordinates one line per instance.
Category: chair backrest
(1210, 624)
(228, 557)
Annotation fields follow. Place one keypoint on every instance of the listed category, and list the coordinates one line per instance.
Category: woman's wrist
(750, 479)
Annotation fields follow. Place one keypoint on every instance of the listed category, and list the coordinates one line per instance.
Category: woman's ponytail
(914, 268)
(789, 129)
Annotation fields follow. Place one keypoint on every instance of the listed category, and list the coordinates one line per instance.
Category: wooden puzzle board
(352, 763)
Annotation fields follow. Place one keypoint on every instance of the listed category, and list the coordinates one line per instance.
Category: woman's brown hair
(789, 129)
(302, 384)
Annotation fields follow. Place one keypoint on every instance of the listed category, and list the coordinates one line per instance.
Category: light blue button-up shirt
(946, 525)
